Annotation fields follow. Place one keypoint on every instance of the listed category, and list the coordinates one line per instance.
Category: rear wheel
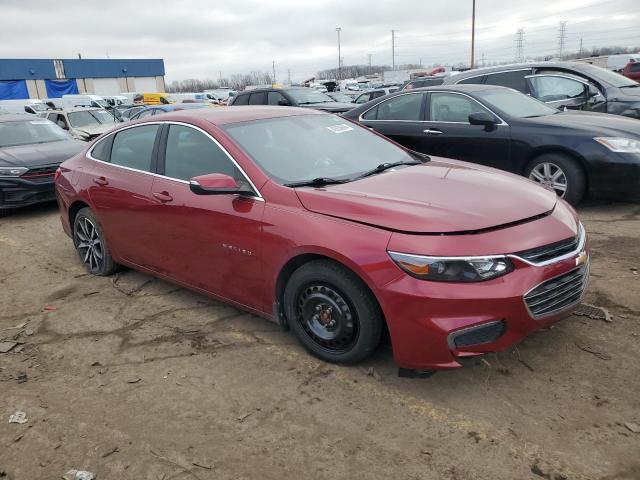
(91, 244)
(332, 312)
(559, 173)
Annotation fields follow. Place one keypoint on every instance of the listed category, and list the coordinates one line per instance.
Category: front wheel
(332, 312)
(560, 174)
(91, 244)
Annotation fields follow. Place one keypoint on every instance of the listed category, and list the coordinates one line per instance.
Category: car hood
(599, 123)
(441, 196)
(96, 129)
(40, 153)
(626, 94)
(331, 106)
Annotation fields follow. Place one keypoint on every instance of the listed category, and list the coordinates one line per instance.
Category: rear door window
(258, 98)
(402, 107)
(274, 98)
(133, 147)
(515, 80)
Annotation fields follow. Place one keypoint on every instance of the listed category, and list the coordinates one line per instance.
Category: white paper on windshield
(340, 128)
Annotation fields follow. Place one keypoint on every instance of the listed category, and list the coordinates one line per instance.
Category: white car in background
(82, 123)
(30, 105)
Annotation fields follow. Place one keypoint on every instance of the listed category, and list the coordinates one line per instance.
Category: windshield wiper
(316, 182)
(386, 166)
(633, 85)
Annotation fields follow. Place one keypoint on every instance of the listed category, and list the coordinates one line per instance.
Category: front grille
(557, 294)
(485, 333)
(553, 251)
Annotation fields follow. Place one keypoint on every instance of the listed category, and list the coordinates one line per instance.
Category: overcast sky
(200, 38)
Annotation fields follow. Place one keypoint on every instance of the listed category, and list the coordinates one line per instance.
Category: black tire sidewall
(108, 265)
(354, 292)
(576, 178)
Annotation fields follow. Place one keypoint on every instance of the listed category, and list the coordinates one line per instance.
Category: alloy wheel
(551, 176)
(89, 244)
(327, 318)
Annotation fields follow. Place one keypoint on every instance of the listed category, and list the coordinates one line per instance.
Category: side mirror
(592, 91)
(284, 103)
(216, 184)
(483, 118)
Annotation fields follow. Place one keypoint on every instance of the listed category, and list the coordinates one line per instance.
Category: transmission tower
(520, 45)
(562, 38)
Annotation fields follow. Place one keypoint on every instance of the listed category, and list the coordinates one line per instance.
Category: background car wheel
(4, 212)
(91, 244)
(561, 173)
(332, 312)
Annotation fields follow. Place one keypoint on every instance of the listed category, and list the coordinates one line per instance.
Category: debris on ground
(134, 380)
(18, 417)
(22, 377)
(632, 427)
(594, 312)
(78, 475)
(6, 347)
(371, 372)
(49, 308)
(202, 465)
(587, 347)
(110, 452)
(242, 418)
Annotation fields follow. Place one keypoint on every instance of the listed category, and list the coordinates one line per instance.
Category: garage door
(145, 84)
(106, 86)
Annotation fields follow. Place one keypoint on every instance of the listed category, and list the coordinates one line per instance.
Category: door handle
(163, 196)
(433, 131)
(100, 181)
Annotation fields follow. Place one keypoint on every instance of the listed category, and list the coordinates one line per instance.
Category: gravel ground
(130, 377)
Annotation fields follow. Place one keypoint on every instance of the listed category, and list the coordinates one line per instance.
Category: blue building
(52, 78)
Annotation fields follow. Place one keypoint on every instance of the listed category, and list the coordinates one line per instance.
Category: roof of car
(466, 87)
(17, 117)
(268, 89)
(513, 66)
(227, 115)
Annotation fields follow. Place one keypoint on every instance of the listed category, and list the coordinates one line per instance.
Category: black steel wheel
(332, 312)
(91, 245)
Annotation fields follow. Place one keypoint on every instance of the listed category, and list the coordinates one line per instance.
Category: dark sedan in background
(291, 97)
(31, 149)
(158, 109)
(578, 86)
(575, 153)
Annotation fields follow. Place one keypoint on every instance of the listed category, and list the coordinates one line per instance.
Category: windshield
(341, 97)
(30, 132)
(90, 118)
(612, 78)
(516, 104)
(303, 96)
(39, 107)
(304, 147)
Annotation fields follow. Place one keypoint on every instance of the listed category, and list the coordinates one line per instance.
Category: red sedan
(319, 224)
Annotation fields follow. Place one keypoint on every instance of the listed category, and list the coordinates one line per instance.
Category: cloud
(199, 38)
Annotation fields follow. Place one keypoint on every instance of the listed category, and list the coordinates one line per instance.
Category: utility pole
(79, 57)
(562, 38)
(484, 64)
(393, 49)
(273, 66)
(520, 45)
(339, 29)
(473, 34)
(369, 56)
(289, 76)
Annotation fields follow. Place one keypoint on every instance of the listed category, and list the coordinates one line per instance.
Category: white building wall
(106, 86)
(145, 84)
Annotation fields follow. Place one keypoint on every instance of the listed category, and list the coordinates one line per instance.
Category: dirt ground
(130, 377)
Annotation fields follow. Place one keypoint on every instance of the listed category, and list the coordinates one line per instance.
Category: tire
(556, 170)
(4, 212)
(91, 245)
(314, 293)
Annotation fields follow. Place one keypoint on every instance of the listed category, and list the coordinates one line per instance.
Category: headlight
(12, 171)
(453, 269)
(620, 144)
